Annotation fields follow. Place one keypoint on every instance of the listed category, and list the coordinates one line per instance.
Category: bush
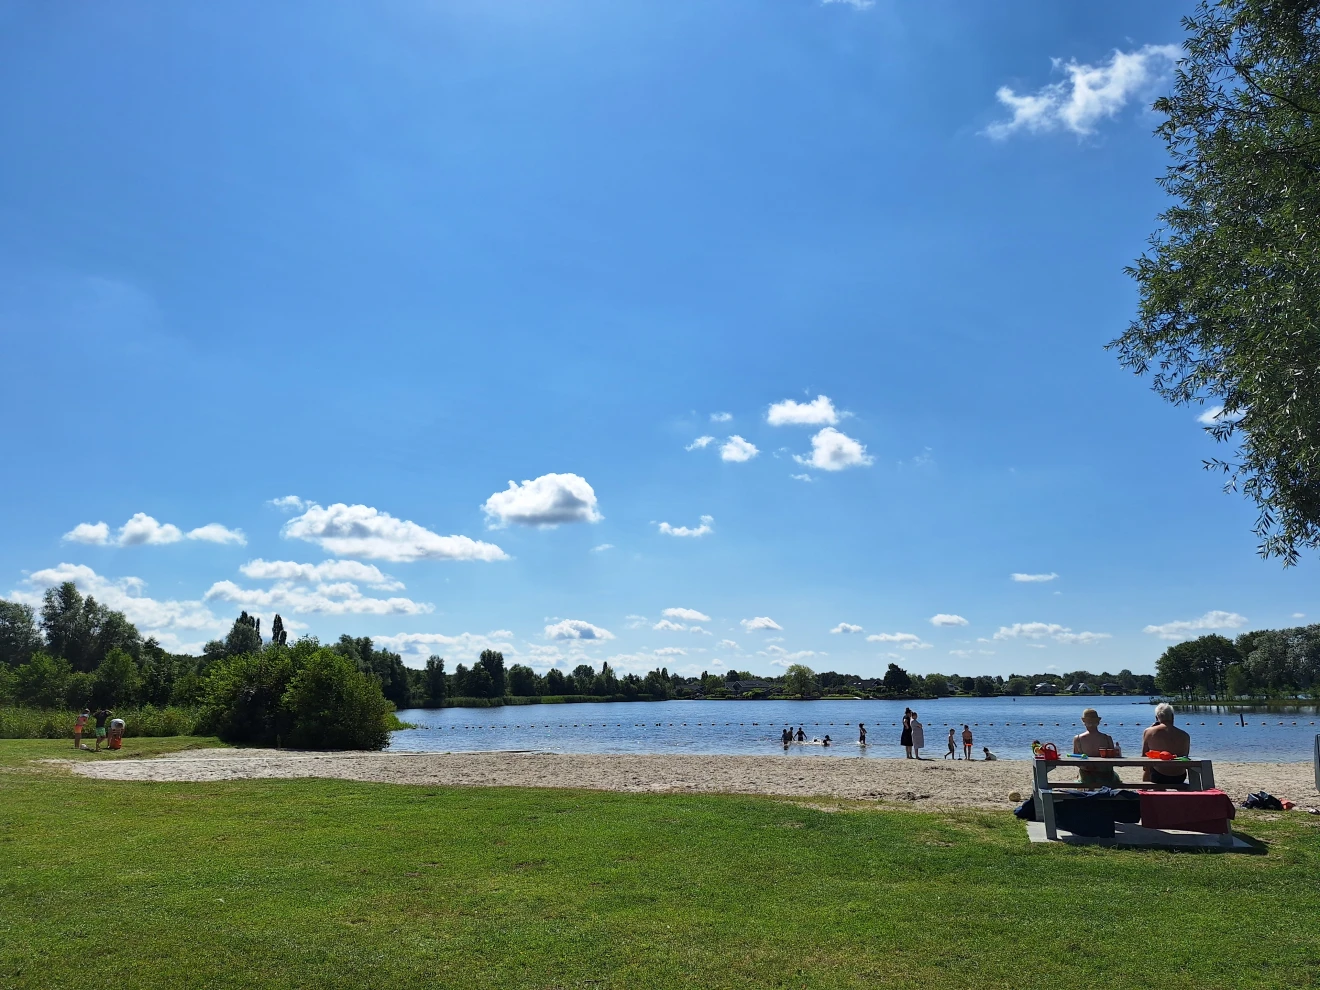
(330, 704)
(243, 697)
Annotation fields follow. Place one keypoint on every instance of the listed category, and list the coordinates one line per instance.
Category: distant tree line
(1267, 663)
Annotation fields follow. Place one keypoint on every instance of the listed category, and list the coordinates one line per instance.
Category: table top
(1120, 761)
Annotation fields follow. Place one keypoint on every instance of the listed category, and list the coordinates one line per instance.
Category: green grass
(336, 884)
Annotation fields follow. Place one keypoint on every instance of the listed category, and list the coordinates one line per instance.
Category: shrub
(243, 697)
(330, 704)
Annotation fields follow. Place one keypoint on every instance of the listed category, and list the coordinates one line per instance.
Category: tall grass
(37, 723)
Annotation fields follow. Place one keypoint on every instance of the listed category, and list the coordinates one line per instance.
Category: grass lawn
(329, 883)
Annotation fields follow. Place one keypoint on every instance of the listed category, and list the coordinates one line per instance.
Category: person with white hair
(1165, 737)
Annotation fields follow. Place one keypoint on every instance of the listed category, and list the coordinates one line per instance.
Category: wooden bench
(1200, 776)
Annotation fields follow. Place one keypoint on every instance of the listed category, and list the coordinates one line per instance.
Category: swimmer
(825, 741)
(861, 733)
(801, 736)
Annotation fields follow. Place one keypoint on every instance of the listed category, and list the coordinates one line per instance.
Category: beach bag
(1263, 801)
(1027, 810)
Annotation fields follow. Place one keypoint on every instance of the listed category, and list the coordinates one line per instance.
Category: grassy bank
(328, 883)
(41, 723)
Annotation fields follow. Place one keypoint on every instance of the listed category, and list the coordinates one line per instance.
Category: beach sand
(925, 783)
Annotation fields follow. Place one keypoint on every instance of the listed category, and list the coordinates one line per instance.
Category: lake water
(1006, 725)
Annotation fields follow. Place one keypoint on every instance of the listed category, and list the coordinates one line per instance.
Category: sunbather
(1166, 737)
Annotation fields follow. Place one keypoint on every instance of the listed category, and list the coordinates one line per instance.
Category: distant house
(1110, 688)
(1046, 688)
(1082, 688)
(751, 684)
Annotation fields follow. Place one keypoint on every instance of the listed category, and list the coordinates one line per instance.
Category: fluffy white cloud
(1089, 94)
(418, 647)
(602, 547)
(338, 598)
(94, 533)
(545, 501)
(362, 531)
(727, 644)
(179, 626)
(1187, 628)
(670, 651)
(700, 443)
(215, 533)
(1048, 630)
(846, 627)
(834, 451)
(819, 411)
(576, 629)
(1033, 578)
(760, 622)
(668, 625)
(143, 529)
(782, 658)
(738, 450)
(945, 619)
(686, 614)
(1216, 414)
(327, 570)
(720, 417)
(290, 502)
(703, 530)
(904, 641)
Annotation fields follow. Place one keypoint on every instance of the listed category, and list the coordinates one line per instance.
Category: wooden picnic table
(1200, 775)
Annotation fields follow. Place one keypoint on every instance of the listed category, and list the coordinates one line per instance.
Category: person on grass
(101, 716)
(79, 724)
(952, 754)
(918, 736)
(967, 742)
(1090, 743)
(1166, 737)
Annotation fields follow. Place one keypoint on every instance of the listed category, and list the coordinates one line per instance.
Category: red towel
(1190, 811)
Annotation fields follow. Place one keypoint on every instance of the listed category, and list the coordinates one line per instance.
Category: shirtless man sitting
(1089, 743)
(1164, 735)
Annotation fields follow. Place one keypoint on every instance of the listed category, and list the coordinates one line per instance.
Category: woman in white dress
(918, 736)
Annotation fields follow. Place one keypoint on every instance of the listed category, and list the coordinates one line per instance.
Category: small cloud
(215, 533)
(1215, 415)
(1185, 629)
(854, 4)
(546, 501)
(636, 621)
(142, 530)
(95, 534)
(290, 503)
(834, 451)
(670, 651)
(945, 619)
(1048, 630)
(819, 411)
(576, 629)
(720, 417)
(760, 622)
(698, 631)
(738, 450)
(703, 530)
(668, 625)
(686, 614)
(364, 531)
(846, 627)
(904, 641)
(1299, 615)
(1033, 578)
(802, 477)
(700, 443)
(602, 547)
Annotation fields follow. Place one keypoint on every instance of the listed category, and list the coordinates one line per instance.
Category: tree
(19, 637)
(244, 637)
(556, 683)
(1230, 290)
(330, 704)
(800, 682)
(937, 684)
(985, 687)
(492, 661)
(896, 680)
(583, 678)
(522, 681)
(42, 681)
(117, 680)
(82, 630)
(1175, 670)
(435, 682)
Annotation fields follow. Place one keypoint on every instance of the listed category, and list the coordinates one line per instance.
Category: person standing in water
(801, 736)
(905, 738)
(861, 733)
(918, 736)
(952, 754)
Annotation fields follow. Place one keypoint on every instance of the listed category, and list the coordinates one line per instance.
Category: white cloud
(945, 619)
(327, 570)
(687, 614)
(670, 651)
(418, 647)
(760, 622)
(846, 627)
(854, 4)
(1186, 629)
(703, 530)
(545, 501)
(728, 644)
(576, 629)
(1033, 578)
(170, 620)
(668, 625)
(215, 533)
(700, 443)
(1089, 94)
(698, 631)
(602, 547)
(802, 477)
(97, 534)
(819, 411)
(1048, 630)
(1216, 414)
(1299, 615)
(636, 621)
(904, 641)
(782, 658)
(834, 451)
(142, 529)
(362, 531)
(338, 598)
(738, 450)
(720, 417)
(290, 502)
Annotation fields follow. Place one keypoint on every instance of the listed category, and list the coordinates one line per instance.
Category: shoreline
(923, 783)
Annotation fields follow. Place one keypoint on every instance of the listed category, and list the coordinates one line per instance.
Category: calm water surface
(1006, 725)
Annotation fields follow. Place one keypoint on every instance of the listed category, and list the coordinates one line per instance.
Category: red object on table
(1190, 811)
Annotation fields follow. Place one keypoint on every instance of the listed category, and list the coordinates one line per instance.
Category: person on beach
(801, 736)
(1167, 737)
(1090, 743)
(101, 717)
(905, 737)
(952, 754)
(989, 756)
(918, 736)
(861, 733)
(967, 742)
(79, 724)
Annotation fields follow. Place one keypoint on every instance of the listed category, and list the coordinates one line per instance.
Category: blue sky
(283, 285)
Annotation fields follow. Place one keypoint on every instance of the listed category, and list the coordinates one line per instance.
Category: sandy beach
(933, 783)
